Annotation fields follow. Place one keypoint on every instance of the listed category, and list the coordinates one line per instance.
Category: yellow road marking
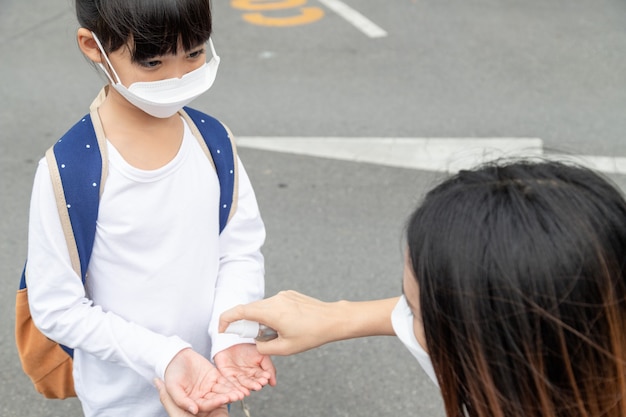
(257, 5)
(306, 15)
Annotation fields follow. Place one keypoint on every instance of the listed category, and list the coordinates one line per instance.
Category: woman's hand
(302, 322)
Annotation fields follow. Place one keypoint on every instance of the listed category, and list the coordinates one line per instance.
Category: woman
(514, 284)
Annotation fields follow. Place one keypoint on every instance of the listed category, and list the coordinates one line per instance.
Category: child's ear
(88, 46)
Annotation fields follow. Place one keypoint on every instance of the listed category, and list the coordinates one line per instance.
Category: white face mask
(163, 98)
(402, 321)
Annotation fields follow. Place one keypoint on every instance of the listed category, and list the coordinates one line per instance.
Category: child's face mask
(402, 321)
(163, 98)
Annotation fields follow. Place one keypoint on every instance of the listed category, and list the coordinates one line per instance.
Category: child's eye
(150, 64)
(196, 54)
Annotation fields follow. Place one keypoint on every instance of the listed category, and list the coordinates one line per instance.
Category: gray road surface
(478, 68)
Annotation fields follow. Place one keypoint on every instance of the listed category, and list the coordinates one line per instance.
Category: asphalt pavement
(546, 69)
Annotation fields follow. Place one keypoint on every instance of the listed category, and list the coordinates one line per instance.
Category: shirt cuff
(168, 350)
(224, 341)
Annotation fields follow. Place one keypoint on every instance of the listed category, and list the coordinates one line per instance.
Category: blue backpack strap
(223, 152)
(79, 162)
(75, 164)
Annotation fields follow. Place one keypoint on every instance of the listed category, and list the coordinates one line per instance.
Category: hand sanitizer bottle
(252, 329)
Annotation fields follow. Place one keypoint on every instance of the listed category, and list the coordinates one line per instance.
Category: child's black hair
(148, 27)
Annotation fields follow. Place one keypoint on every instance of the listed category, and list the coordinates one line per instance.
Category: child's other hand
(245, 367)
(174, 411)
(194, 384)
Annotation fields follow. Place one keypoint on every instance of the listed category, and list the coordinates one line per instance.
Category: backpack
(78, 168)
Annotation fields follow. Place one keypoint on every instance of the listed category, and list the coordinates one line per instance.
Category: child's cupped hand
(245, 367)
(174, 411)
(195, 385)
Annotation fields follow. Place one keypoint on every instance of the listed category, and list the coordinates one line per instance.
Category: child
(160, 273)
(514, 285)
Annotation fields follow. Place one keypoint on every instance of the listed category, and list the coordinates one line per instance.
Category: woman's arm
(303, 322)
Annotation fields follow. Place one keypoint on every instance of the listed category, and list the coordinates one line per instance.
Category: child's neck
(144, 141)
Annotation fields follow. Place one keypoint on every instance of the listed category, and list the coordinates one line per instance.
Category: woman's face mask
(402, 321)
(163, 98)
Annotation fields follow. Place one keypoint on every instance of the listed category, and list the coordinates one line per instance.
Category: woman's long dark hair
(521, 269)
(149, 27)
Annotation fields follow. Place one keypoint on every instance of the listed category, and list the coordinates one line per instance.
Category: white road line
(428, 154)
(355, 18)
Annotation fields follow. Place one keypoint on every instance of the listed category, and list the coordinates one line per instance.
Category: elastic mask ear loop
(95, 38)
(217, 58)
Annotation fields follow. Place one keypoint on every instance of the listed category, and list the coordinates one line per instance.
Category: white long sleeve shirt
(159, 276)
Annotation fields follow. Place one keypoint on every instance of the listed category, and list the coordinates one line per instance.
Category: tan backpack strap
(64, 215)
(100, 137)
